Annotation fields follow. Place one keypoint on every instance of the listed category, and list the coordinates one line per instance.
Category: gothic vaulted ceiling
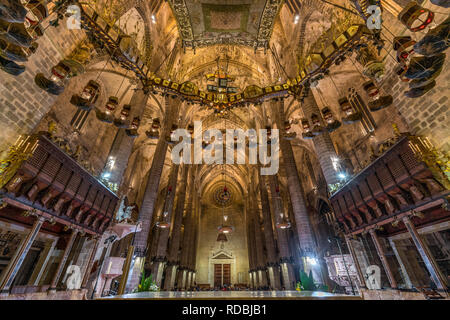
(209, 22)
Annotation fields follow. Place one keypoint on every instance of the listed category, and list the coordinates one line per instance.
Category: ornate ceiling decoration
(210, 22)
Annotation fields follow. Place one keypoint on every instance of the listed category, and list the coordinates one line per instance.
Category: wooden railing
(39, 176)
(404, 179)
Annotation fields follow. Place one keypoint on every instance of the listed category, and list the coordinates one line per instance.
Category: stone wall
(22, 102)
(210, 219)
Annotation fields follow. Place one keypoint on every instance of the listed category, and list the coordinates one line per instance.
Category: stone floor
(234, 295)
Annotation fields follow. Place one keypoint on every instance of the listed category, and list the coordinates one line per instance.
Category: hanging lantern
(190, 129)
(15, 53)
(404, 46)
(350, 113)
(420, 91)
(287, 126)
(121, 121)
(331, 122)
(287, 134)
(225, 229)
(132, 131)
(87, 97)
(163, 224)
(400, 70)
(423, 67)
(283, 224)
(11, 67)
(12, 11)
(317, 127)
(377, 102)
(169, 138)
(156, 124)
(152, 134)
(435, 41)
(307, 134)
(415, 17)
(54, 85)
(16, 33)
(111, 106)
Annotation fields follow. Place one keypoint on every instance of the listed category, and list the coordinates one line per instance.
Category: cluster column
(283, 245)
(161, 251)
(174, 242)
(151, 191)
(271, 256)
(187, 239)
(259, 240)
(302, 222)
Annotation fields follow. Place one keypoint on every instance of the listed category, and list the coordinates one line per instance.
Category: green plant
(307, 283)
(147, 284)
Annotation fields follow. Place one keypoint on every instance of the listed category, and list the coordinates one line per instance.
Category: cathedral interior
(123, 170)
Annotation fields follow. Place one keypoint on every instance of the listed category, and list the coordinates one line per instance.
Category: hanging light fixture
(172, 130)
(307, 134)
(288, 135)
(351, 114)
(332, 123)
(55, 84)
(415, 17)
(121, 121)
(317, 127)
(377, 101)
(132, 131)
(153, 133)
(88, 96)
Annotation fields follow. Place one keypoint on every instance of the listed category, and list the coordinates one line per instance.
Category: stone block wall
(22, 102)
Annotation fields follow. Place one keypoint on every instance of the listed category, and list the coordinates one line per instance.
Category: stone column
(174, 243)
(258, 237)
(151, 190)
(359, 273)
(194, 236)
(42, 263)
(187, 237)
(302, 222)
(251, 244)
(161, 250)
(383, 259)
(87, 271)
(283, 245)
(63, 260)
(19, 256)
(271, 257)
(432, 267)
(323, 144)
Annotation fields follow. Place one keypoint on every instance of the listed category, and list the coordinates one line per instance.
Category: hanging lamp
(88, 96)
